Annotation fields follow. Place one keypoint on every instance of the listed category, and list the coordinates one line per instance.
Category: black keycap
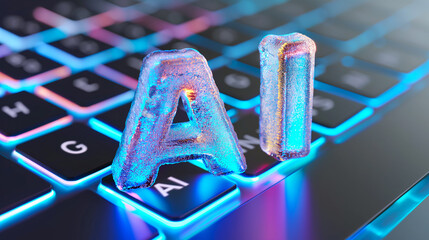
(71, 10)
(129, 30)
(417, 41)
(369, 84)
(177, 44)
(116, 117)
(177, 193)
(251, 59)
(365, 15)
(331, 111)
(25, 64)
(390, 57)
(21, 25)
(22, 112)
(72, 152)
(323, 50)
(80, 45)
(123, 3)
(129, 65)
(211, 5)
(336, 29)
(173, 16)
(82, 216)
(276, 16)
(18, 185)
(258, 162)
(236, 84)
(264, 20)
(226, 35)
(86, 88)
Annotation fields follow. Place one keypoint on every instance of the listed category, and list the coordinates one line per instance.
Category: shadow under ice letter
(150, 140)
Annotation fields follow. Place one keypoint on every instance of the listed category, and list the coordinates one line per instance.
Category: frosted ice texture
(287, 71)
(150, 140)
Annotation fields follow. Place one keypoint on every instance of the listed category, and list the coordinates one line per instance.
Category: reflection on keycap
(369, 84)
(23, 115)
(180, 190)
(71, 155)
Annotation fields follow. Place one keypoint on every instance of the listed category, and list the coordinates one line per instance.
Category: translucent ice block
(150, 140)
(287, 71)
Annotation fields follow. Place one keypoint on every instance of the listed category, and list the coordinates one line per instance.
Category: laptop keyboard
(68, 70)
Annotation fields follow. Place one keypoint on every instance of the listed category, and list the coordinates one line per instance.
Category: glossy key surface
(71, 153)
(129, 65)
(366, 83)
(22, 112)
(179, 191)
(82, 216)
(129, 30)
(390, 57)
(236, 84)
(85, 88)
(21, 25)
(331, 111)
(226, 35)
(25, 64)
(81, 45)
(18, 185)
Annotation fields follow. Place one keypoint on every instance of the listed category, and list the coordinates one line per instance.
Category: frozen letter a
(287, 68)
(150, 140)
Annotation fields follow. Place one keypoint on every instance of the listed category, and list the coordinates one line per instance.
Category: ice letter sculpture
(287, 69)
(150, 140)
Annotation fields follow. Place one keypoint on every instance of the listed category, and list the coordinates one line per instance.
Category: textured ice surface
(150, 140)
(287, 71)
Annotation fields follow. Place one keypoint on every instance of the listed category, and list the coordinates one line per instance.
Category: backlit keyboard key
(18, 186)
(211, 5)
(236, 84)
(331, 111)
(129, 30)
(263, 20)
(178, 191)
(416, 42)
(22, 65)
(81, 45)
(123, 3)
(84, 216)
(69, 154)
(129, 65)
(21, 25)
(251, 59)
(226, 35)
(81, 91)
(258, 162)
(390, 57)
(172, 16)
(23, 112)
(177, 44)
(368, 84)
(336, 29)
(71, 10)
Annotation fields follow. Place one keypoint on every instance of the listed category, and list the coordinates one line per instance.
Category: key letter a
(150, 140)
